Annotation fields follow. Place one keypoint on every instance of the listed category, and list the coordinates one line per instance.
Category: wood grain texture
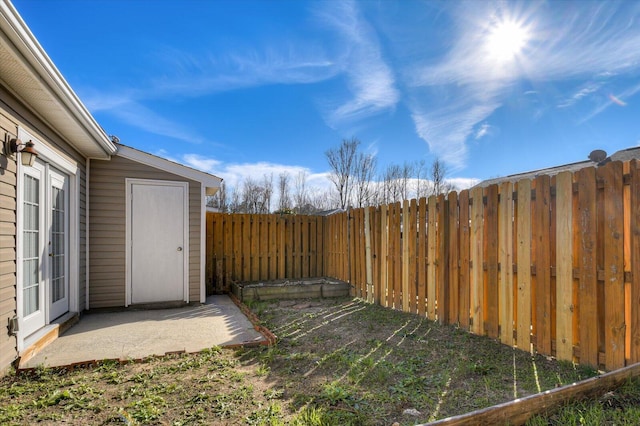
(564, 266)
(432, 252)
(614, 326)
(523, 238)
(477, 260)
(491, 259)
(505, 257)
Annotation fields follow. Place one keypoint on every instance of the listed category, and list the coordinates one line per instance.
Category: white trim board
(210, 182)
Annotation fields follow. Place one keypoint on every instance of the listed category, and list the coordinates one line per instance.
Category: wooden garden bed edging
(520, 410)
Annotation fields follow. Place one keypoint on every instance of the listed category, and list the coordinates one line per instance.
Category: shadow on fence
(549, 264)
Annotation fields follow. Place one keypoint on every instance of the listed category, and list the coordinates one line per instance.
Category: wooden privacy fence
(246, 247)
(551, 263)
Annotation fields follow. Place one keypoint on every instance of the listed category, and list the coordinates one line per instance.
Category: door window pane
(31, 250)
(58, 248)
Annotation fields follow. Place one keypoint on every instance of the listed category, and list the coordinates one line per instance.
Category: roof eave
(210, 182)
(34, 60)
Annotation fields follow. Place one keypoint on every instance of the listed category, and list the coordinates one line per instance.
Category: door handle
(179, 248)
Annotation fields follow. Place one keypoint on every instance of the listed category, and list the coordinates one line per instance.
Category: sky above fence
(243, 88)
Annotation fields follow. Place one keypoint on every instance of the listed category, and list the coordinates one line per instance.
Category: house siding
(14, 114)
(107, 224)
(8, 167)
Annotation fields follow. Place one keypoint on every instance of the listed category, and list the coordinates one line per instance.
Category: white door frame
(68, 166)
(58, 180)
(129, 182)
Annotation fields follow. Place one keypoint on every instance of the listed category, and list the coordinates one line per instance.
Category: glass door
(58, 245)
(33, 242)
(44, 274)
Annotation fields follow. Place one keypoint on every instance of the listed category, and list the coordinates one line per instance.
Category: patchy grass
(338, 361)
(617, 407)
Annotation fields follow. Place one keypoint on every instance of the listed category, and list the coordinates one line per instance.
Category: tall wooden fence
(244, 247)
(551, 263)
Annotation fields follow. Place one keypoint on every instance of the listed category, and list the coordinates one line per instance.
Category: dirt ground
(337, 361)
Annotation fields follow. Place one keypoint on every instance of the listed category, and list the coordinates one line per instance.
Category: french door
(45, 246)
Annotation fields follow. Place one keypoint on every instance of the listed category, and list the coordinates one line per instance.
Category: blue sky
(242, 88)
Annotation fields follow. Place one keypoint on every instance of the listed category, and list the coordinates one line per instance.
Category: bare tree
(391, 189)
(421, 173)
(300, 190)
(342, 161)
(284, 193)
(256, 196)
(267, 193)
(406, 175)
(365, 168)
(235, 204)
(439, 184)
(250, 196)
(319, 200)
(219, 199)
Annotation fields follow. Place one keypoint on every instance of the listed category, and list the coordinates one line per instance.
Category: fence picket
(477, 260)
(564, 266)
(559, 264)
(432, 266)
(422, 256)
(505, 257)
(384, 256)
(491, 258)
(611, 174)
(542, 286)
(406, 238)
(464, 249)
(523, 237)
(442, 267)
(453, 256)
(634, 234)
(397, 256)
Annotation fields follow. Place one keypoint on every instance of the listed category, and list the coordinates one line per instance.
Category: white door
(32, 290)
(44, 237)
(158, 242)
(58, 245)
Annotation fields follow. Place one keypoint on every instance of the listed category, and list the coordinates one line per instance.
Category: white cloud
(583, 92)
(137, 115)
(235, 173)
(370, 79)
(194, 75)
(467, 85)
(446, 129)
(484, 130)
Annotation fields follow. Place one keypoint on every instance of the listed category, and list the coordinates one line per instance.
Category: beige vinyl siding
(107, 227)
(8, 344)
(82, 246)
(195, 203)
(14, 114)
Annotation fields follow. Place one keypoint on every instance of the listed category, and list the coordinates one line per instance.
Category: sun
(506, 40)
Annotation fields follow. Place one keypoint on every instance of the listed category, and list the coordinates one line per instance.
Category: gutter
(17, 31)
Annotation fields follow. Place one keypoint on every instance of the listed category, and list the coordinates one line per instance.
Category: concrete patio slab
(143, 333)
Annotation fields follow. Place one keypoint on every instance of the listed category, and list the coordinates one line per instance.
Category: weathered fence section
(550, 264)
(244, 247)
